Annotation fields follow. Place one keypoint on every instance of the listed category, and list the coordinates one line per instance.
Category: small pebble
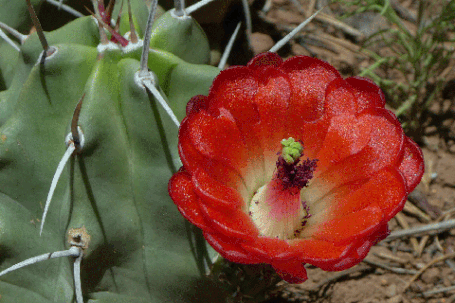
(419, 265)
(391, 291)
(261, 42)
(431, 275)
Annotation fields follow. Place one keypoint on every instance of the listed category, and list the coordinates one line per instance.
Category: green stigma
(291, 151)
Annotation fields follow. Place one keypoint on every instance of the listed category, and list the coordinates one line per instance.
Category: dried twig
(429, 229)
(397, 270)
(438, 290)
(340, 25)
(413, 210)
(404, 224)
(419, 199)
(341, 275)
(403, 12)
(392, 258)
(417, 275)
(311, 7)
(422, 244)
(447, 213)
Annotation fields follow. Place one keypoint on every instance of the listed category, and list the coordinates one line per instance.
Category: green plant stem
(406, 105)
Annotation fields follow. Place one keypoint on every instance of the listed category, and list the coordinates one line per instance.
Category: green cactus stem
(115, 185)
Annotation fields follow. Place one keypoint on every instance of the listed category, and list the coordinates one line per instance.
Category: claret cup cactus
(276, 160)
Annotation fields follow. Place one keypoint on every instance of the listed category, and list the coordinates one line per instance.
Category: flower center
(277, 208)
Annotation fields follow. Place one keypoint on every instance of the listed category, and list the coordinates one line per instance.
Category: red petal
(258, 100)
(291, 272)
(311, 134)
(319, 252)
(181, 191)
(272, 102)
(218, 138)
(196, 104)
(385, 148)
(268, 58)
(309, 79)
(346, 136)
(368, 94)
(219, 142)
(271, 249)
(193, 160)
(345, 229)
(412, 164)
(234, 89)
(215, 193)
(357, 251)
(230, 250)
(339, 98)
(232, 223)
(385, 189)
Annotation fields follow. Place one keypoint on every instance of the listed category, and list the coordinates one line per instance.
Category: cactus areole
(286, 163)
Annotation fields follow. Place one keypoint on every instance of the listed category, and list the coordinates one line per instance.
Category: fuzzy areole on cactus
(245, 181)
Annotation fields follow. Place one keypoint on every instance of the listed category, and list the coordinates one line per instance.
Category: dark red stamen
(295, 175)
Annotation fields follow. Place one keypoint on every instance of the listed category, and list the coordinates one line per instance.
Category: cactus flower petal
(287, 163)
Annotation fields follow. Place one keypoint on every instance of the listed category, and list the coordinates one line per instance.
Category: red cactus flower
(323, 195)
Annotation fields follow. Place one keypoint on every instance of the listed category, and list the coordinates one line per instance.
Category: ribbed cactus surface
(112, 196)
